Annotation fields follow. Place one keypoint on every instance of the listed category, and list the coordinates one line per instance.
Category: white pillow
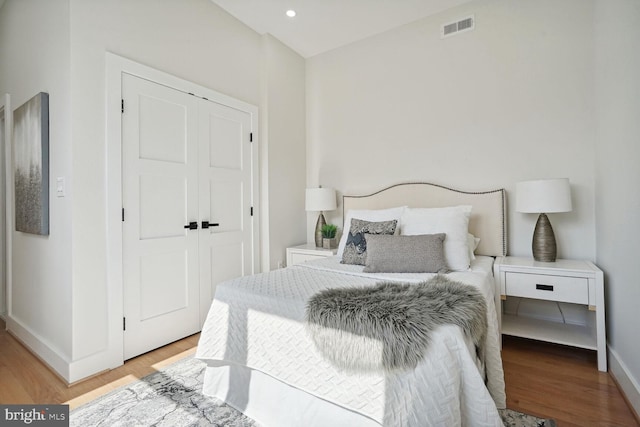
(472, 242)
(453, 221)
(372, 215)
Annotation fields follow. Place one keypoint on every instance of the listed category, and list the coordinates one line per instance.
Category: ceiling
(323, 25)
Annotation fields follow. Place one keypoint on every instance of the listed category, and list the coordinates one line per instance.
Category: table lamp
(543, 196)
(318, 200)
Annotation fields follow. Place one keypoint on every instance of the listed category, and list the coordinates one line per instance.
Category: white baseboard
(92, 365)
(625, 380)
(68, 371)
(39, 347)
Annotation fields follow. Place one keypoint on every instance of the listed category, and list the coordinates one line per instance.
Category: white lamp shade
(320, 199)
(543, 196)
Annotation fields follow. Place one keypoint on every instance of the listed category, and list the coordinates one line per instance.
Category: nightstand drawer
(297, 258)
(554, 288)
(307, 252)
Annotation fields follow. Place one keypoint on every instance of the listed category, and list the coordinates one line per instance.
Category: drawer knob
(544, 287)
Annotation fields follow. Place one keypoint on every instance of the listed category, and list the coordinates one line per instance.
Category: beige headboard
(488, 219)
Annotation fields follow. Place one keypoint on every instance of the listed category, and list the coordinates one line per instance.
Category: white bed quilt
(258, 321)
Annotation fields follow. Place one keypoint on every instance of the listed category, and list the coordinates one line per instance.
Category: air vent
(451, 28)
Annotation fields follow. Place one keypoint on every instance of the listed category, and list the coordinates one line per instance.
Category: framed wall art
(31, 165)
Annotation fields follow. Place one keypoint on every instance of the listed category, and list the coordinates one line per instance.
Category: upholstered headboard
(488, 219)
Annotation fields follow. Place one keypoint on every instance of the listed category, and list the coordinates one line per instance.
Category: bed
(261, 360)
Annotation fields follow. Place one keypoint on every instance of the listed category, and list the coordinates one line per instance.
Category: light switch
(60, 186)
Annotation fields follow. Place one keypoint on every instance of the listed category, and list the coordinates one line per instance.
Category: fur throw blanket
(387, 326)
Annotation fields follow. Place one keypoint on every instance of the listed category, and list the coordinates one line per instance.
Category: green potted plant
(329, 236)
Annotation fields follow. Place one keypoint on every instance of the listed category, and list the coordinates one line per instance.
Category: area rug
(172, 397)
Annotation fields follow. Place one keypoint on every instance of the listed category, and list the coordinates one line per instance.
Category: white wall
(283, 136)
(617, 50)
(35, 57)
(509, 101)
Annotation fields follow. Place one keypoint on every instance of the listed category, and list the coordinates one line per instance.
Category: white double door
(187, 211)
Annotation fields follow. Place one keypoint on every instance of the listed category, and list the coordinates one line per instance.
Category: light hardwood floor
(542, 379)
(25, 379)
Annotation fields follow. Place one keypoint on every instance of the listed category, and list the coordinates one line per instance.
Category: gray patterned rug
(172, 398)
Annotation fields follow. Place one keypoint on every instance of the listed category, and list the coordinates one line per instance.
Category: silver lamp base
(544, 241)
(319, 225)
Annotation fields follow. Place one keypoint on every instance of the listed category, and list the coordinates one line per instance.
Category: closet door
(161, 282)
(187, 220)
(225, 182)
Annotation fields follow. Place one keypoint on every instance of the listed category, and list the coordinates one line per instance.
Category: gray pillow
(422, 253)
(355, 251)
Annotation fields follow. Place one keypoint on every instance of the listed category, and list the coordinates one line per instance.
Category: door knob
(193, 225)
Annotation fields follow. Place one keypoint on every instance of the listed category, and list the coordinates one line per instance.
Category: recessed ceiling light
(291, 13)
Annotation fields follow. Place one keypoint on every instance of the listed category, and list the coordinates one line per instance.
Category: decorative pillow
(355, 250)
(423, 253)
(372, 215)
(472, 242)
(453, 221)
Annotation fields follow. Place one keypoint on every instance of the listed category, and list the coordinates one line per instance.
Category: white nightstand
(306, 252)
(568, 281)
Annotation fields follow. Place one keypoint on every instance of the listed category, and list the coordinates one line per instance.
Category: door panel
(226, 262)
(160, 257)
(185, 159)
(158, 275)
(222, 153)
(225, 197)
(158, 219)
(162, 120)
(226, 204)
